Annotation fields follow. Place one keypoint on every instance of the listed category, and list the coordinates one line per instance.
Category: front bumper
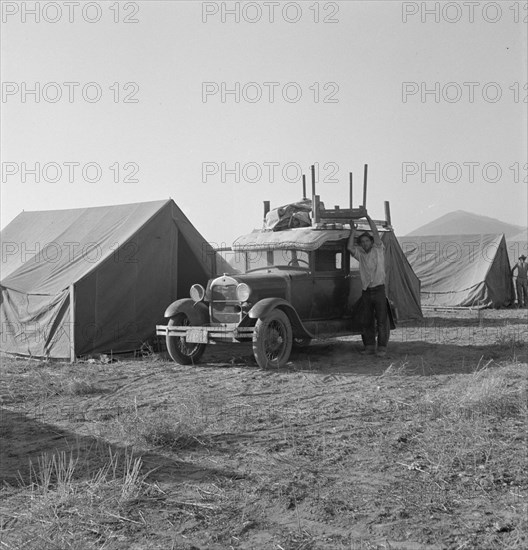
(209, 334)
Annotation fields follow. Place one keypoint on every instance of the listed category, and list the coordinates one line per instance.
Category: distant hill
(467, 223)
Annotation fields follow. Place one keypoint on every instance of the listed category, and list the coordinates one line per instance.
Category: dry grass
(152, 427)
(467, 444)
(396, 368)
(415, 452)
(70, 505)
(32, 381)
(496, 392)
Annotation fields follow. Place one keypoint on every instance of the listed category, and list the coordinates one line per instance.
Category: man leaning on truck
(370, 253)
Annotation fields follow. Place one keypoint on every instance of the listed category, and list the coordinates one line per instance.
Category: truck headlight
(243, 291)
(197, 293)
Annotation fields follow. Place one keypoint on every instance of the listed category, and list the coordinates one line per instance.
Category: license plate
(196, 335)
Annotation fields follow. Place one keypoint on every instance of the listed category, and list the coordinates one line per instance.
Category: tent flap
(403, 286)
(35, 325)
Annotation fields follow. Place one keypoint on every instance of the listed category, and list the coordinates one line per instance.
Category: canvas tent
(461, 270)
(93, 280)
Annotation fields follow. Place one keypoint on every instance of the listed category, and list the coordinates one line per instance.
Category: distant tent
(461, 270)
(93, 280)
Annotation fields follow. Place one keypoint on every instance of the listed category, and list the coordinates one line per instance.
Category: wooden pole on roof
(387, 213)
(315, 198)
(304, 185)
(365, 185)
(266, 208)
(350, 190)
(317, 217)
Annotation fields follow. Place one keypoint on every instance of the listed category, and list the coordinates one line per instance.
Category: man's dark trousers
(522, 292)
(376, 317)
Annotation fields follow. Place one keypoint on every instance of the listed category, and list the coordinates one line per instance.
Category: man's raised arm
(374, 229)
(351, 245)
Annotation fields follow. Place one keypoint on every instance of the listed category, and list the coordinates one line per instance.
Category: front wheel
(180, 351)
(272, 340)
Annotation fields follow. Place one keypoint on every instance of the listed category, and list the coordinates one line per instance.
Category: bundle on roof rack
(296, 214)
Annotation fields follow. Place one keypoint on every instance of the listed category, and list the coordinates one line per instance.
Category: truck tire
(272, 340)
(180, 351)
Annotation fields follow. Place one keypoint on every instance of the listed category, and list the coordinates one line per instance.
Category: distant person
(521, 283)
(371, 257)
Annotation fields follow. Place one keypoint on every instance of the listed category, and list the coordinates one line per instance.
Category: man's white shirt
(371, 265)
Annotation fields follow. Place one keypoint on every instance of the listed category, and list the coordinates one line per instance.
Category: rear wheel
(272, 340)
(180, 351)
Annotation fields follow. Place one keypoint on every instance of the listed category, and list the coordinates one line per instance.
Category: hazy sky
(356, 87)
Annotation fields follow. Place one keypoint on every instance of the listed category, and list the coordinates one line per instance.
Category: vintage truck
(299, 283)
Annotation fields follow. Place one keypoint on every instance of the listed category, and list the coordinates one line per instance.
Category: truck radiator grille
(225, 308)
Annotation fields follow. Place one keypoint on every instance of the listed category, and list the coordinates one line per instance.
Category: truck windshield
(259, 259)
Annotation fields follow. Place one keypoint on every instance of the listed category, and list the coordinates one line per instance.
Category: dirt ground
(423, 449)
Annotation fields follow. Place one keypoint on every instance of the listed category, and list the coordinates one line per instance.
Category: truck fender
(197, 312)
(265, 306)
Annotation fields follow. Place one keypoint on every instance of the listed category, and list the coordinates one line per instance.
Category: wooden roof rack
(337, 215)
